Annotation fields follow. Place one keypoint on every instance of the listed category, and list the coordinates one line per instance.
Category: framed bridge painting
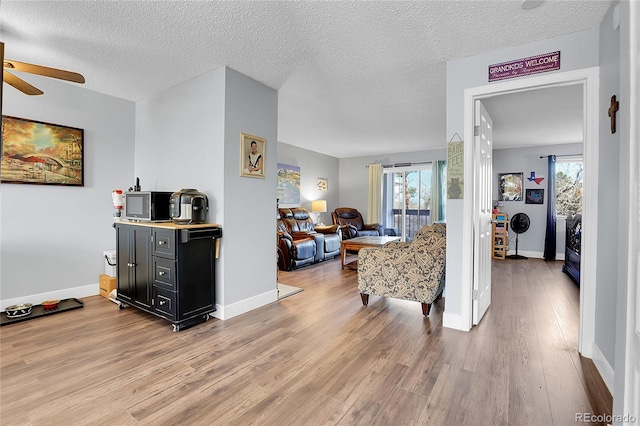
(35, 152)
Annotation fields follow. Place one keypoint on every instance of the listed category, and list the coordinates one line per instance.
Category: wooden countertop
(168, 225)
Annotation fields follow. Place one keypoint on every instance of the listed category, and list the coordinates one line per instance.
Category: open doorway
(588, 80)
(529, 126)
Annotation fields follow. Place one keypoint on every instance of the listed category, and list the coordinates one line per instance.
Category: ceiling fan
(23, 86)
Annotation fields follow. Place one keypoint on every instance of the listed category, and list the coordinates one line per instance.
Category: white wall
(612, 182)
(618, 41)
(189, 137)
(354, 175)
(526, 160)
(52, 237)
(249, 230)
(180, 144)
(313, 165)
(180, 139)
(578, 50)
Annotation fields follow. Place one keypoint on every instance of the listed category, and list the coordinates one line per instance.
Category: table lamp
(318, 206)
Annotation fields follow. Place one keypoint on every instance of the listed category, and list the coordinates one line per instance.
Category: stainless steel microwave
(149, 206)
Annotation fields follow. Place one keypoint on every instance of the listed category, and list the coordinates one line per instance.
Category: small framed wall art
(323, 184)
(534, 196)
(510, 186)
(252, 155)
(35, 152)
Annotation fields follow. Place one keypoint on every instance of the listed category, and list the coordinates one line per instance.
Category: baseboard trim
(454, 321)
(67, 293)
(534, 254)
(225, 312)
(604, 368)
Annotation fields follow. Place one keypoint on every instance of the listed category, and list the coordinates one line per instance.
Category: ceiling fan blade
(45, 71)
(20, 84)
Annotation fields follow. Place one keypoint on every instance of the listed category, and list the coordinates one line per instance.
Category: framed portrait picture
(510, 186)
(252, 155)
(534, 196)
(35, 152)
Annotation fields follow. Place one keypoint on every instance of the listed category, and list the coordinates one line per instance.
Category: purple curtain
(550, 235)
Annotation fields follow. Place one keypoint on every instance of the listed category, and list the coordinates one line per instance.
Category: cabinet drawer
(164, 273)
(164, 243)
(164, 302)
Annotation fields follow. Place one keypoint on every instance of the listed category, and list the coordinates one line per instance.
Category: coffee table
(360, 242)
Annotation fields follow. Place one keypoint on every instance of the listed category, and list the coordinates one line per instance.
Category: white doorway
(588, 78)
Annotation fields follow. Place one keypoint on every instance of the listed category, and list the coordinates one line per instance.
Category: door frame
(589, 79)
(631, 369)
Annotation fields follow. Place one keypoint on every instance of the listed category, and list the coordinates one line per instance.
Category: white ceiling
(537, 117)
(354, 78)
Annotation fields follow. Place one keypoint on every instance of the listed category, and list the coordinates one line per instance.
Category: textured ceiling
(354, 78)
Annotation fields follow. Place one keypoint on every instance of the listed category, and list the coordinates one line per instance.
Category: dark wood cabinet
(133, 263)
(573, 248)
(167, 269)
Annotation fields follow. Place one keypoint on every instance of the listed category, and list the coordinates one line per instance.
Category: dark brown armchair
(352, 225)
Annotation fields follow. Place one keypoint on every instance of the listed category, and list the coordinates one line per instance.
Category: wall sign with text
(455, 170)
(525, 66)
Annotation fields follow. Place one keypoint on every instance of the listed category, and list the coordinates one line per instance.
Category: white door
(482, 209)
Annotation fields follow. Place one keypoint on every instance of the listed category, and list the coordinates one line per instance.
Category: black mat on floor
(38, 311)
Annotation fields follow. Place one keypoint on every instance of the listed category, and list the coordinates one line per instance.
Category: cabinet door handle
(162, 302)
(161, 273)
(131, 265)
(161, 243)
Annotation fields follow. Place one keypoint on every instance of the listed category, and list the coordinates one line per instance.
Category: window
(406, 202)
(568, 186)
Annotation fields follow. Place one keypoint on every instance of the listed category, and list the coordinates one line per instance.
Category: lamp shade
(319, 206)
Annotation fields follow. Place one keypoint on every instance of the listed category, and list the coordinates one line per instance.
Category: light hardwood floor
(317, 357)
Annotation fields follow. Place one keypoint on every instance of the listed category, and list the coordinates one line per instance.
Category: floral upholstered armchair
(409, 271)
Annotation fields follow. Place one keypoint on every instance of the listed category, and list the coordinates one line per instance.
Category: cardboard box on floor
(107, 284)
